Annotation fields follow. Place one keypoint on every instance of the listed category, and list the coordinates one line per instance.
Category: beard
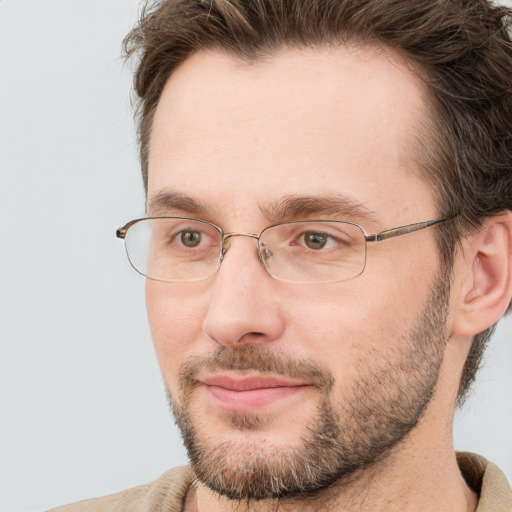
(351, 432)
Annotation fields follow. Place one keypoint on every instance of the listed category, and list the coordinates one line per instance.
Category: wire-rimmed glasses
(182, 249)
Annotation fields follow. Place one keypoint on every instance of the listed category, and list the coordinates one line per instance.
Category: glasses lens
(174, 249)
(313, 252)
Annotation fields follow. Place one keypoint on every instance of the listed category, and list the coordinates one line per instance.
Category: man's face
(283, 388)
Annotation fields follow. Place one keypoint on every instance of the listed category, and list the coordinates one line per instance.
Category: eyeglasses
(177, 249)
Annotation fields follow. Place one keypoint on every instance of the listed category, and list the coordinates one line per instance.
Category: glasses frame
(373, 237)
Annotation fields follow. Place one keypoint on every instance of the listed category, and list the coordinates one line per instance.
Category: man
(328, 247)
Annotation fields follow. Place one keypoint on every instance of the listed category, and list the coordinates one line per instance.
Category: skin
(239, 137)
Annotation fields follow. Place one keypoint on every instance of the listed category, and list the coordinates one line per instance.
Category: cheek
(345, 324)
(175, 319)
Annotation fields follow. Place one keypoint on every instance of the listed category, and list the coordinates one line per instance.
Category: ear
(483, 275)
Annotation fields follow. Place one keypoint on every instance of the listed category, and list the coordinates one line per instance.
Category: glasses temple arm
(404, 230)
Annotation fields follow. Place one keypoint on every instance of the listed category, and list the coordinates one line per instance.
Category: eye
(190, 238)
(316, 241)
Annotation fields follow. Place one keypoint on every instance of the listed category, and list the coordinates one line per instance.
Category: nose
(245, 306)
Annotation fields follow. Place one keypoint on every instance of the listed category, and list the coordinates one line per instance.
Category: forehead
(315, 121)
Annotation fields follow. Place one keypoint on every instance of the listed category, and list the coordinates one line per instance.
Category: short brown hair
(462, 49)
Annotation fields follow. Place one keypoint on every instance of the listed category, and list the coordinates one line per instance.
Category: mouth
(249, 393)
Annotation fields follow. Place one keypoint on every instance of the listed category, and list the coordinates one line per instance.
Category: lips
(249, 393)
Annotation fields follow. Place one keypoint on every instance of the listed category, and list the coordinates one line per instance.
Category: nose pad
(265, 254)
(225, 247)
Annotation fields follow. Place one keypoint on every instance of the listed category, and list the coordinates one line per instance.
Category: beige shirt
(168, 492)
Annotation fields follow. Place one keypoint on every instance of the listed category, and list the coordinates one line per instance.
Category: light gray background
(83, 411)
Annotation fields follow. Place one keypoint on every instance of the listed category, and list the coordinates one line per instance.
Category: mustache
(258, 359)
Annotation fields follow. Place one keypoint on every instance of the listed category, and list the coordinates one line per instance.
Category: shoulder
(166, 493)
(488, 481)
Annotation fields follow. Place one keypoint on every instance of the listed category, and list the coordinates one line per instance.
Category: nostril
(248, 335)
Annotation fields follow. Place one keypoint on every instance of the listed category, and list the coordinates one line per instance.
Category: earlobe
(487, 290)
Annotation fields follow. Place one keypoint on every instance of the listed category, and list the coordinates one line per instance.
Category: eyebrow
(331, 205)
(163, 202)
(290, 207)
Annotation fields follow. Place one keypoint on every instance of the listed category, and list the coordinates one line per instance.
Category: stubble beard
(385, 403)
